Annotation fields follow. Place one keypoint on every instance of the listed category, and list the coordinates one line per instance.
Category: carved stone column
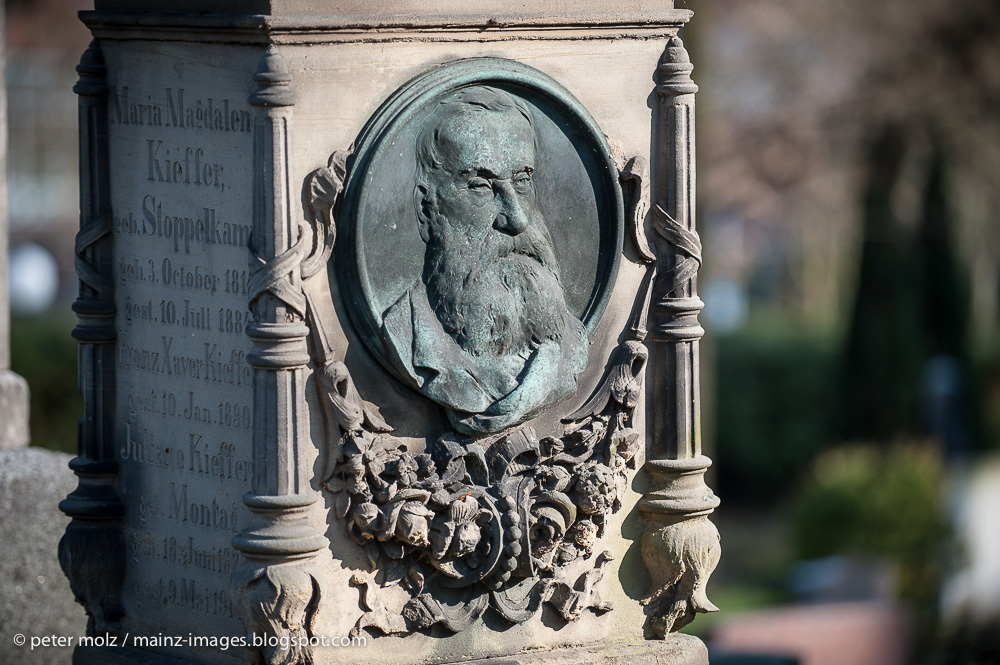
(278, 586)
(92, 552)
(681, 546)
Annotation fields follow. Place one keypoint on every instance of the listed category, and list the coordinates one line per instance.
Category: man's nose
(511, 217)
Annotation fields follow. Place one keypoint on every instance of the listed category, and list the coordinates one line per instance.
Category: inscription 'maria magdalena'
(176, 111)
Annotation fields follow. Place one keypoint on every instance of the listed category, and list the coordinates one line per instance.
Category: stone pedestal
(368, 301)
(35, 600)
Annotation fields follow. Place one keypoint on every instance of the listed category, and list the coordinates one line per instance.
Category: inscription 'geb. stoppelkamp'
(182, 229)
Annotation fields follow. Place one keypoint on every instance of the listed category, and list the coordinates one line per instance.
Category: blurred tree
(945, 316)
(943, 284)
(796, 97)
(880, 375)
(792, 92)
(908, 332)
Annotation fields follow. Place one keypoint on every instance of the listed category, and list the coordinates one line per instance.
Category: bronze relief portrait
(496, 198)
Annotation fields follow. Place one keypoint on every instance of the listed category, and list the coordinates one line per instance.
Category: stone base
(14, 410)
(120, 656)
(678, 650)
(36, 600)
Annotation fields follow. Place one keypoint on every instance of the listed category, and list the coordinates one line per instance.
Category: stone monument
(388, 335)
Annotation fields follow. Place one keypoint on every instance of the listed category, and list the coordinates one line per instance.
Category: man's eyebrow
(485, 171)
(479, 169)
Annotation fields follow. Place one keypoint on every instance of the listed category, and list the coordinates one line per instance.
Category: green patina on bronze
(481, 232)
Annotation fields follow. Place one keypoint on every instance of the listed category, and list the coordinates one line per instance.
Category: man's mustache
(530, 243)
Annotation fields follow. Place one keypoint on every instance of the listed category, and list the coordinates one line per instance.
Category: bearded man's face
(489, 268)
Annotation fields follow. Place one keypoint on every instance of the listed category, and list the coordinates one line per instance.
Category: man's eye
(480, 184)
(522, 181)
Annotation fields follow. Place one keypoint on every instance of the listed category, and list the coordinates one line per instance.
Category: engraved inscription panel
(181, 207)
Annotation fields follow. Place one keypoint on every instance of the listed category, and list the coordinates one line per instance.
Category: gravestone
(388, 335)
(14, 433)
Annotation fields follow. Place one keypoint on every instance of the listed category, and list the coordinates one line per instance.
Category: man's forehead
(487, 139)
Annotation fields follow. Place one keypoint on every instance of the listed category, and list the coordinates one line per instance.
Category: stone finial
(674, 70)
(272, 79)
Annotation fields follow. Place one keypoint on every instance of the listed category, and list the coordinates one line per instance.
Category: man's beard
(499, 295)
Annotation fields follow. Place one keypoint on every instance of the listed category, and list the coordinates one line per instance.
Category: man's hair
(478, 99)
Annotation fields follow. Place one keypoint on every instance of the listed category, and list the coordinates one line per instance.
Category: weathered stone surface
(35, 598)
(182, 219)
(679, 649)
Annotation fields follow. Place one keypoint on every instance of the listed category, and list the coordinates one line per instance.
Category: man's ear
(425, 211)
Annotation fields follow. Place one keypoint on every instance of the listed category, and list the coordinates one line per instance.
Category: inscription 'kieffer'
(185, 167)
(210, 114)
(200, 458)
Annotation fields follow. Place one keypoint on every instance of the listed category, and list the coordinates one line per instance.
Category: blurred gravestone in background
(35, 598)
(44, 39)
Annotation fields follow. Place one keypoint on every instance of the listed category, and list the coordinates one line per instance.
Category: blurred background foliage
(853, 498)
(849, 184)
(45, 355)
(872, 501)
(774, 406)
